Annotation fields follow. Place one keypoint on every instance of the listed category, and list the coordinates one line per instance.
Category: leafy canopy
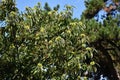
(47, 44)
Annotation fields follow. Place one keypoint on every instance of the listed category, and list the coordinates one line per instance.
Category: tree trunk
(105, 61)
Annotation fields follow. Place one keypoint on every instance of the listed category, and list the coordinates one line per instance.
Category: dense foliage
(105, 37)
(44, 44)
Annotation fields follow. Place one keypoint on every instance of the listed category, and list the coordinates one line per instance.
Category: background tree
(92, 8)
(106, 42)
(46, 7)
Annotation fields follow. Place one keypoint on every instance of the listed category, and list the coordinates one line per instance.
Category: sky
(77, 11)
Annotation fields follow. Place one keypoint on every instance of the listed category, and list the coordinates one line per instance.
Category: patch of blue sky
(79, 6)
